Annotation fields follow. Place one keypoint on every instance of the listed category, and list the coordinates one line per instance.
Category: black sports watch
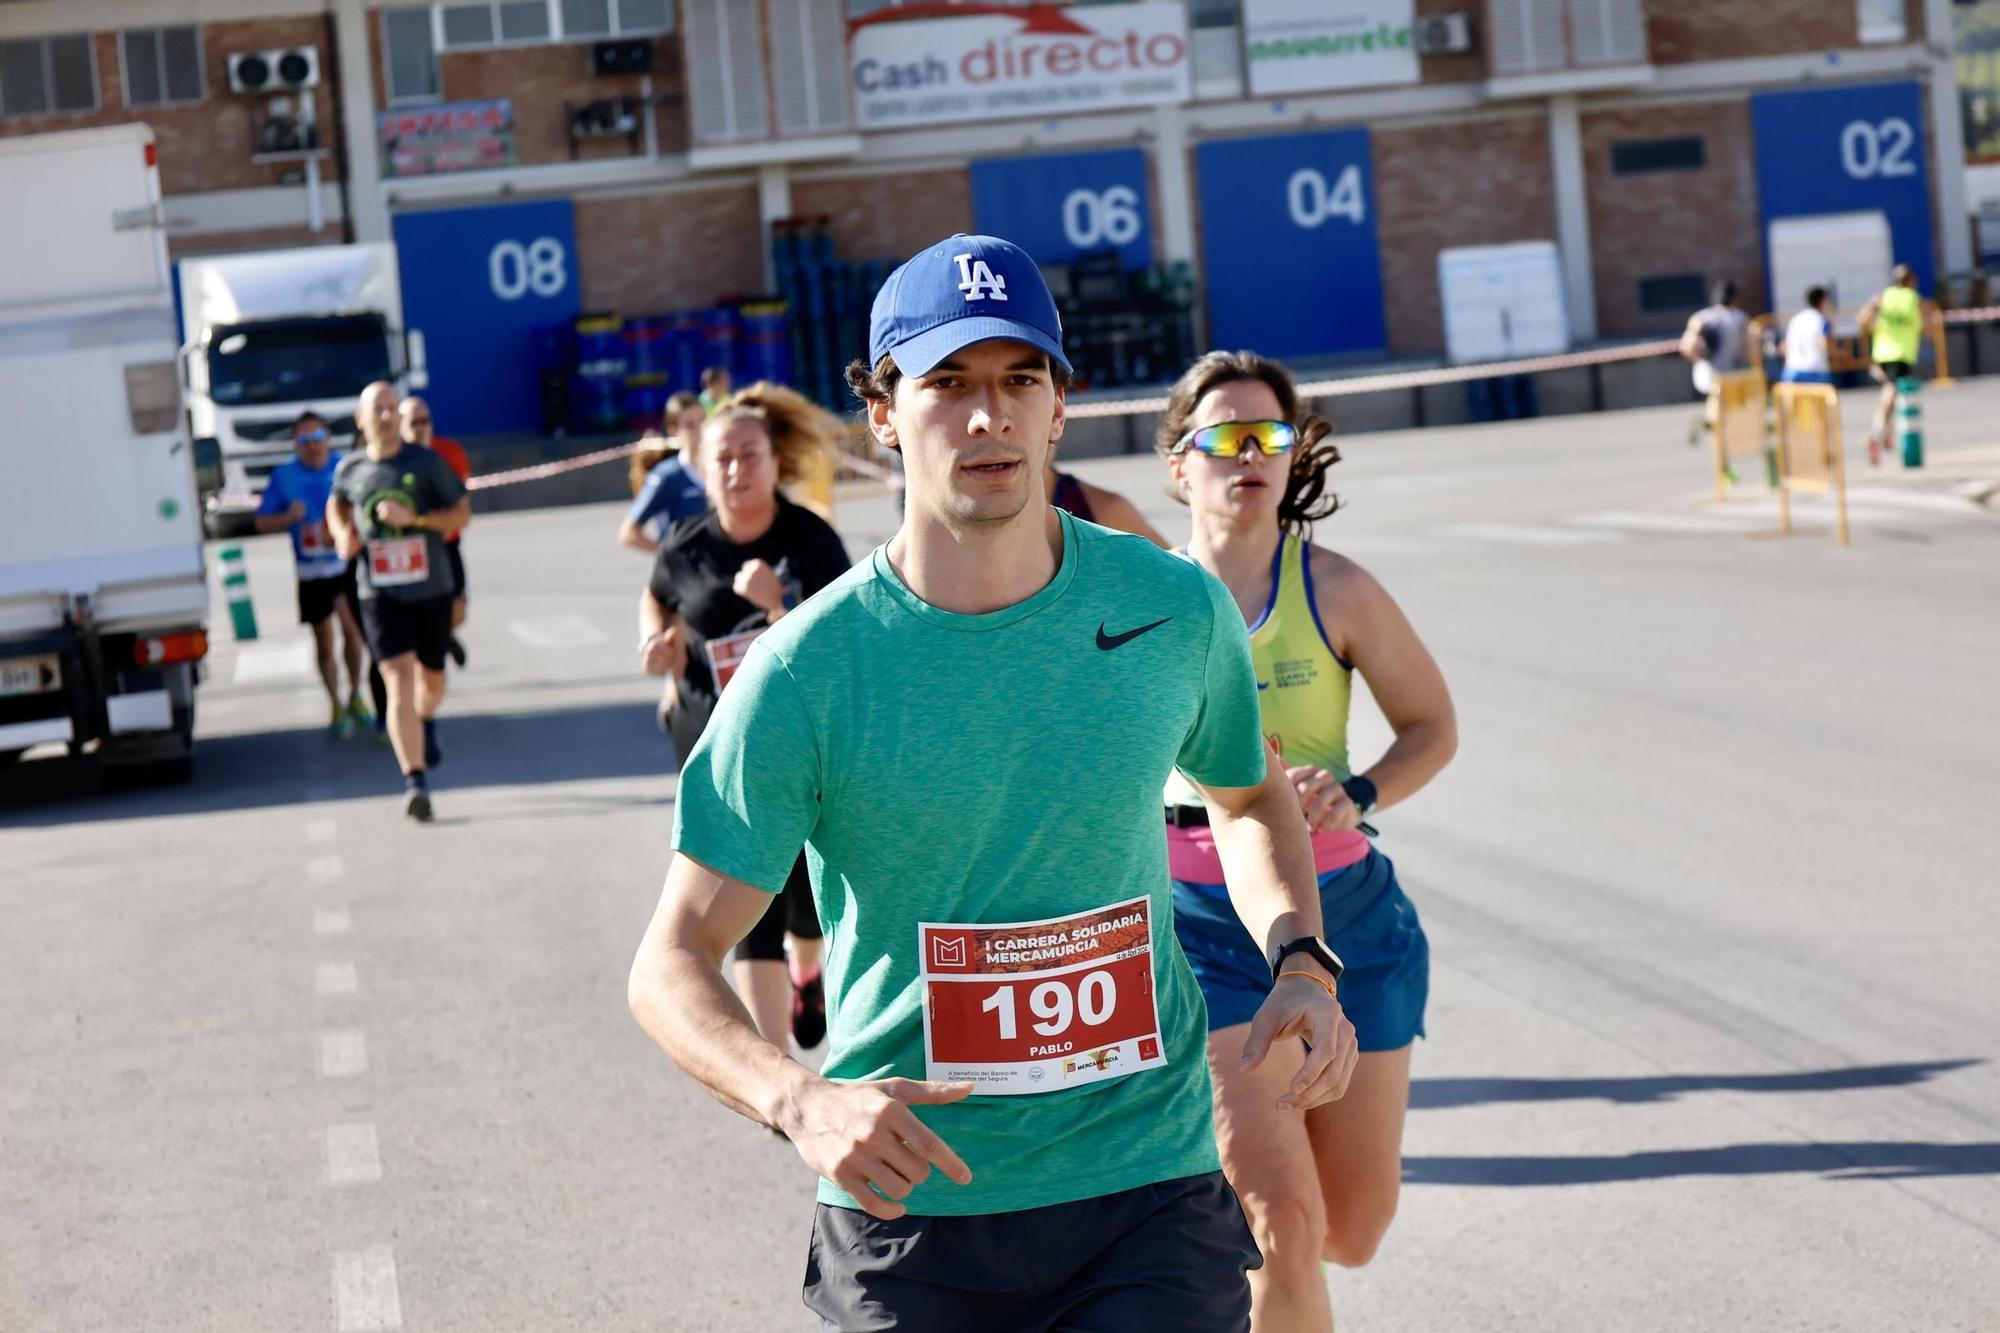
(1313, 947)
(1362, 792)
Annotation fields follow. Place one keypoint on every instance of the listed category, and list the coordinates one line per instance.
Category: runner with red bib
(720, 580)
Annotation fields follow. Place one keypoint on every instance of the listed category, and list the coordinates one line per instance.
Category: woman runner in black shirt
(720, 580)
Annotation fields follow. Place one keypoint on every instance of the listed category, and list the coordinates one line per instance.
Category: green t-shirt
(995, 768)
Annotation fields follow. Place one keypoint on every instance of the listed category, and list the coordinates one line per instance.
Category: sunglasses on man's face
(310, 437)
(1230, 438)
(420, 421)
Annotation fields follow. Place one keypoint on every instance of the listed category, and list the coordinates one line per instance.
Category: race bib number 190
(1037, 1006)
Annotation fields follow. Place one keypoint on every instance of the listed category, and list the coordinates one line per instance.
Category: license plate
(30, 675)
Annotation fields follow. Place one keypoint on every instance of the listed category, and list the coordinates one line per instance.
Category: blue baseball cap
(963, 290)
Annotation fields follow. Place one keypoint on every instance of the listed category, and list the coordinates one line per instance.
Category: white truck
(103, 595)
(269, 335)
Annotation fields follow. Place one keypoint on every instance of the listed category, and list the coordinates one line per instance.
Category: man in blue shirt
(295, 499)
(672, 490)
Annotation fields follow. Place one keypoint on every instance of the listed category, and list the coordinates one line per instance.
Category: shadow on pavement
(1834, 1161)
(279, 768)
(1433, 1094)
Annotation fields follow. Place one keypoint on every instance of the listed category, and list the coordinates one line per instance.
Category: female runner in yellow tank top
(1318, 1185)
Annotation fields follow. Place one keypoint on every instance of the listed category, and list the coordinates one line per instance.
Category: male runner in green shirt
(994, 890)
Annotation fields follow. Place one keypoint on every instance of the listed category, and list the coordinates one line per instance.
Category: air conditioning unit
(282, 69)
(1442, 34)
(627, 55)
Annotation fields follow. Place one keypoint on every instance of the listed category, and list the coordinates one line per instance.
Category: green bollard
(236, 588)
(1910, 421)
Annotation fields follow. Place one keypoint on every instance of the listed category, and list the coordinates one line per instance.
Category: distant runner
(415, 416)
(392, 506)
(1006, 997)
(1894, 323)
(670, 489)
(722, 578)
(1095, 504)
(295, 497)
(1808, 342)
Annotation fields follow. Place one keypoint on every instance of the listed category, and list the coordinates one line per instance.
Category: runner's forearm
(682, 1002)
(1266, 853)
(1419, 752)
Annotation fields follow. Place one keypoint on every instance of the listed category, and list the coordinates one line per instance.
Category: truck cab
(274, 334)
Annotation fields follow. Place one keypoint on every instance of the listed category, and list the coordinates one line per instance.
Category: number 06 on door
(1037, 1006)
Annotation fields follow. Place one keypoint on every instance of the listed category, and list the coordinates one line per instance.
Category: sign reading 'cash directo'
(926, 64)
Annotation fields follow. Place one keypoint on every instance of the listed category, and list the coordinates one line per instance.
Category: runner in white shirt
(1806, 337)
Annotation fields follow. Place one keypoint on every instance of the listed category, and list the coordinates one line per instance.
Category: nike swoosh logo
(1109, 641)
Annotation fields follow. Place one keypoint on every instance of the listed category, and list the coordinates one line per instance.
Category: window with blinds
(1541, 36)
(809, 66)
(727, 90)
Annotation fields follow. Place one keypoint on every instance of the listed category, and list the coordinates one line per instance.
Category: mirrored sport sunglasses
(310, 436)
(1230, 438)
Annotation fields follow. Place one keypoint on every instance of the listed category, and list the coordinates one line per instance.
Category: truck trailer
(103, 593)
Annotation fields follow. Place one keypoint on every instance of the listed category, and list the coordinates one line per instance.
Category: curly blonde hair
(797, 427)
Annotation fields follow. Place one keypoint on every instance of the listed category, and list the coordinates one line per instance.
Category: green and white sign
(1302, 46)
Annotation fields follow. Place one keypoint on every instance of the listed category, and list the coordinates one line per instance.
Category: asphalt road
(1714, 1032)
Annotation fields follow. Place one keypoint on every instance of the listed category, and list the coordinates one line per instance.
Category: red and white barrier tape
(1412, 379)
(1336, 388)
(555, 469)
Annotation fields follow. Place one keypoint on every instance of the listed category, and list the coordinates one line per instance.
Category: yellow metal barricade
(1810, 459)
(1736, 416)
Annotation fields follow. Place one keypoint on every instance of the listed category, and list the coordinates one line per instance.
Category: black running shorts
(1164, 1258)
(394, 628)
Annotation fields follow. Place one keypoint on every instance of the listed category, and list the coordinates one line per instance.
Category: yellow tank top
(1899, 326)
(1303, 686)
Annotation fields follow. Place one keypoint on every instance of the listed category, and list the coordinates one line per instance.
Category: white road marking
(568, 630)
(364, 1290)
(262, 663)
(1695, 524)
(352, 1155)
(1522, 534)
(1866, 498)
(321, 830)
(329, 921)
(336, 979)
(325, 869)
(343, 1054)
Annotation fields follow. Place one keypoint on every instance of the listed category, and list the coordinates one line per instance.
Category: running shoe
(342, 726)
(1874, 450)
(417, 802)
(357, 712)
(809, 1012)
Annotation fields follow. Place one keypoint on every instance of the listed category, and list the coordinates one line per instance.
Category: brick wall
(1668, 222)
(890, 216)
(267, 238)
(540, 79)
(206, 146)
(1681, 31)
(1464, 68)
(1440, 186)
(649, 253)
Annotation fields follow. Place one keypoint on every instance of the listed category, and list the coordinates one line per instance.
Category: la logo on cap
(978, 281)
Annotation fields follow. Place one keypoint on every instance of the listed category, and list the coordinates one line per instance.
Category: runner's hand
(666, 653)
(297, 513)
(1302, 1008)
(346, 541)
(757, 583)
(864, 1137)
(1325, 803)
(395, 514)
